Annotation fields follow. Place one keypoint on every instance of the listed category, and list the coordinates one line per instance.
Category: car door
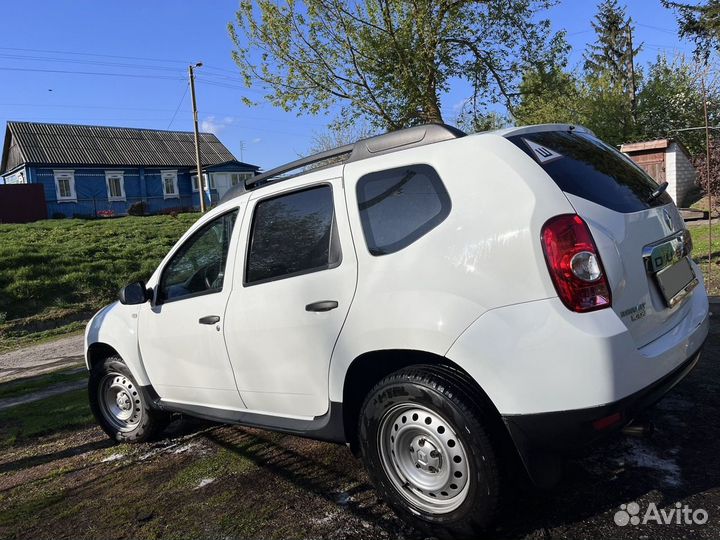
(291, 298)
(181, 333)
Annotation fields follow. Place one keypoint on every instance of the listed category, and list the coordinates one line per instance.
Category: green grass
(219, 465)
(32, 384)
(55, 273)
(701, 248)
(43, 417)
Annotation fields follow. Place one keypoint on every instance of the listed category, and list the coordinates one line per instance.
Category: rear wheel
(428, 453)
(120, 406)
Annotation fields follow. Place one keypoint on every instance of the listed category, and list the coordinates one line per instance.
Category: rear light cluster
(574, 263)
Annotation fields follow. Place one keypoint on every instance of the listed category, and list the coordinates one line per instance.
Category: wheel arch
(98, 352)
(370, 367)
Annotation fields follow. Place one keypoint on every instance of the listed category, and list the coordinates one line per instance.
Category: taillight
(574, 263)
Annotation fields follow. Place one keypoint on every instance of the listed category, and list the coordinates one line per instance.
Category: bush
(139, 208)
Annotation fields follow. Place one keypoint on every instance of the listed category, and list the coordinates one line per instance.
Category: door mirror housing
(135, 293)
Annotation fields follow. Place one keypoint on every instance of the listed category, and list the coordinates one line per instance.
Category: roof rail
(362, 149)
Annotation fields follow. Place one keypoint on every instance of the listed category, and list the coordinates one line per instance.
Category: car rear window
(584, 166)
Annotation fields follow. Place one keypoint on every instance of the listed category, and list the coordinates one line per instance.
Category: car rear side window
(398, 206)
(586, 167)
(293, 234)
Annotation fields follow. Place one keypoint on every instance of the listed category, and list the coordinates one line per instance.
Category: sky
(125, 64)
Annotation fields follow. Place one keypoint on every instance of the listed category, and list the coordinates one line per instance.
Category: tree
(551, 96)
(672, 100)
(611, 59)
(699, 22)
(699, 162)
(339, 135)
(390, 61)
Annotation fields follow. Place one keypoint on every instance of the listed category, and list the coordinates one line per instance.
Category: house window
(170, 184)
(115, 181)
(195, 182)
(65, 186)
(239, 178)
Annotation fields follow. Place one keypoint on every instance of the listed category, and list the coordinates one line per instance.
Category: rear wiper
(659, 191)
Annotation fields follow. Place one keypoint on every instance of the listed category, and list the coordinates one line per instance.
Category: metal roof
(68, 144)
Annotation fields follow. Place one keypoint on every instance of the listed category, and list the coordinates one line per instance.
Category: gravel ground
(210, 481)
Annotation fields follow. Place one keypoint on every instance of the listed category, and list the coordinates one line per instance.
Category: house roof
(645, 145)
(82, 145)
(658, 144)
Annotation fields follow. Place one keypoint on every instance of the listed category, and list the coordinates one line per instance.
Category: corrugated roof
(68, 144)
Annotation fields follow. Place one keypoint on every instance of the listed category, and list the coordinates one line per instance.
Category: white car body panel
(408, 300)
(116, 325)
(565, 360)
(475, 289)
(279, 351)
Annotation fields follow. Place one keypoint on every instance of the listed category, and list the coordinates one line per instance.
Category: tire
(425, 447)
(119, 406)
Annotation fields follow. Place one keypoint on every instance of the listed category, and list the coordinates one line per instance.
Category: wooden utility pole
(707, 172)
(631, 69)
(198, 161)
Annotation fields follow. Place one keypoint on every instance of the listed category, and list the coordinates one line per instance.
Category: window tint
(293, 234)
(198, 267)
(398, 206)
(584, 166)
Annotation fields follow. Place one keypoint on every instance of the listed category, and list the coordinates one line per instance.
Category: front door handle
(209, 319)
(323, 305)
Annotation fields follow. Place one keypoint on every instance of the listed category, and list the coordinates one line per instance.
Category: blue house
(95, 170)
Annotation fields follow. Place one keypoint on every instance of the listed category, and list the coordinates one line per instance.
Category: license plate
(676, 281)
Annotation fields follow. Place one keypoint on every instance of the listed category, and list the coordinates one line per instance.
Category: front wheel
(428, 453)
(119, 405)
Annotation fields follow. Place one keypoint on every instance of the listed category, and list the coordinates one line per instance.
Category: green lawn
(701, 247)
(54, 274)
(43, 417)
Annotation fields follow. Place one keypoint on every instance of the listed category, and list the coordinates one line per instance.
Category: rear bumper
(540, 436)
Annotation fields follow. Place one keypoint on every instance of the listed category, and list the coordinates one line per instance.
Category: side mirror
(135, 293)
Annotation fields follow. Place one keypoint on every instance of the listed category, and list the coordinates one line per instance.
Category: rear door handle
(322, 305)
(209, 319)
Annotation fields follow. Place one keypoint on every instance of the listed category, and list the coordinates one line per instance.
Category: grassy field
(701, 248)
(54, 274)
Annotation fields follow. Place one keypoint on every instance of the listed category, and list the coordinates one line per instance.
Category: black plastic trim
(328, 427)
(539, 437)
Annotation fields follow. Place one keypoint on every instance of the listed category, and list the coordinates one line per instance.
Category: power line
(102, 73)
(178, 106)
(154, 109)
(51, 51)
(85, 62)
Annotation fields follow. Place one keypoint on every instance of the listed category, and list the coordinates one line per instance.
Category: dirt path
(50, 391)
(43, 358)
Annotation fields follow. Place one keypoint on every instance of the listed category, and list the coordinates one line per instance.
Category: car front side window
(198, 267)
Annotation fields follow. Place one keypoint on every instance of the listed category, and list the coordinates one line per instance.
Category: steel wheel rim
(120, 402)
(423, 458)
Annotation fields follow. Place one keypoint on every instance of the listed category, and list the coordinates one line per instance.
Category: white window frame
(69, 175)
(194, 182)
(121, 176)
(166, 175)
(241, 176)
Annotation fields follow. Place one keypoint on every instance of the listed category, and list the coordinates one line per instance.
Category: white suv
(445, 304)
